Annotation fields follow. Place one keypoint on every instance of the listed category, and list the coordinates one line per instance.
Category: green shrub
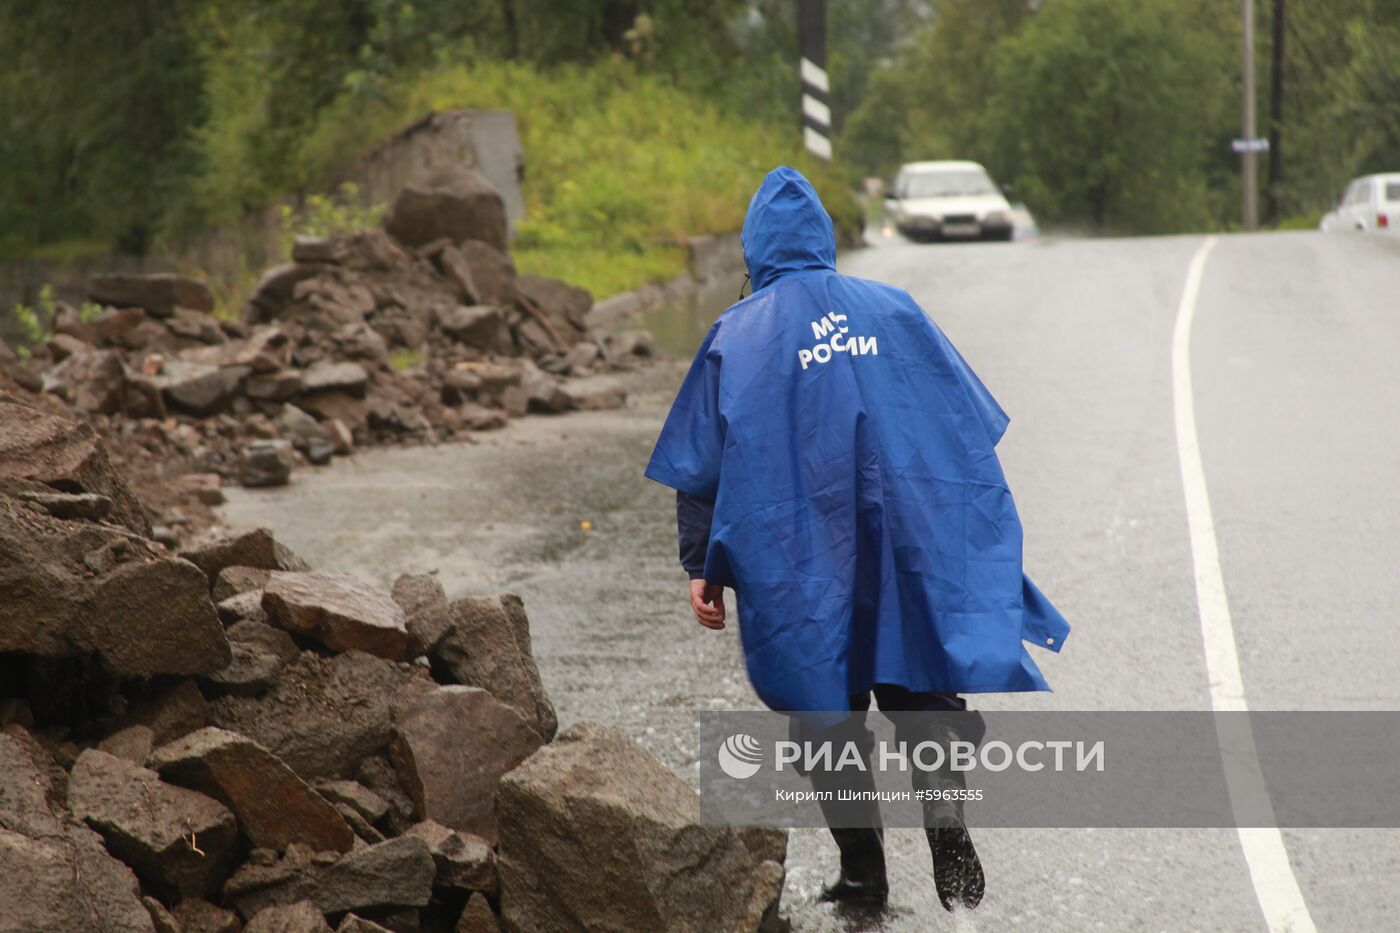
(622, 166)
(326, 215)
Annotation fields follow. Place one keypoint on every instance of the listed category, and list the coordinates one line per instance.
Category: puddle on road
(679, 326)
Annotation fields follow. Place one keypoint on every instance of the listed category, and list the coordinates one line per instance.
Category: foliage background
(125, 125)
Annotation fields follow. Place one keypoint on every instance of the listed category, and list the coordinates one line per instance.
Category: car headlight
(997, 217)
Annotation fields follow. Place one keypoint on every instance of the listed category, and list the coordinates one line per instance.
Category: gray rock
(595, 805)
(492, 271)
(265, 463)
(488, 646)
(195, 325)
(323, 716)
(326, 375)
(83, 506)
(537, 392)
(241, 607)
(64, 454)
(304, 431)
(275, 288)
(162, 918)
(134, 744)
(596, 393)
(566, 306)
(56, 875)
(160, 293)
(464, 862)
(243, 547)
(144, 615)
(355, 795)
(478, 325)
(428, 617)
(230, 581)
(354, 924)
(199, 389)
(274, 387)
(477, 917)
(196, 915)
(397, 872)
(301, 917)
(312, 249)
(341, 611)
(259, 654)
(452, 202)
(632, 343)
(455, 744)
(274, 807)
(175, 839)
(92, 381)
(170, 712)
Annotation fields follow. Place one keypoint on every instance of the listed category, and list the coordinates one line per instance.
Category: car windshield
(947, 184)
(1392, 191)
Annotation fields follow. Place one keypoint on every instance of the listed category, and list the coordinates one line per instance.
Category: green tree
(1109, 114)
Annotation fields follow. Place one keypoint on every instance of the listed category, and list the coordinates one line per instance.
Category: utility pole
(816, 89)
(1274, 209)
(1249, 155)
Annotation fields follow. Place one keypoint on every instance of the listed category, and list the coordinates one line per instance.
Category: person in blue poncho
(834, 461)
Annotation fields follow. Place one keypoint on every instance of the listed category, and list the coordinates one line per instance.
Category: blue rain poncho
(861, 515)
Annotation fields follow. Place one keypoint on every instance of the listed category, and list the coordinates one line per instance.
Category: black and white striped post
(816, 89)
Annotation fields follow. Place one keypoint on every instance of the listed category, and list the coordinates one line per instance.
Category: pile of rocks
(226, 739)
(419, 332)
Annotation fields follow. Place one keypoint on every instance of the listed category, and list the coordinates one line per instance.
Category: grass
(622, 166)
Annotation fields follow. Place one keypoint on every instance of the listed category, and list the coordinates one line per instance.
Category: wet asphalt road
(1294, 356)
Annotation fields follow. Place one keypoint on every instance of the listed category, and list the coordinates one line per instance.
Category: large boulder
(79, 588)
(160, 294)
(274, 807)
(323, 716)
(55, 874)
(488, 646)
(454, 744)
(173, 838)
(66, 455)
(338, 609)
(596, 834)
(452, 202)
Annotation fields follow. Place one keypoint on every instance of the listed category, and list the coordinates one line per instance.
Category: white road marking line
(1275, 885)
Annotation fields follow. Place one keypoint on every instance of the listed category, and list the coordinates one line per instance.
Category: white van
(949, 200)
(1370, 203)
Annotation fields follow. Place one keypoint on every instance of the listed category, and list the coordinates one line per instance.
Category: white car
(948, 201)
(1370, 203)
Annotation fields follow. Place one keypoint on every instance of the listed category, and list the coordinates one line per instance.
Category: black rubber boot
(957, 871)
(862, 882)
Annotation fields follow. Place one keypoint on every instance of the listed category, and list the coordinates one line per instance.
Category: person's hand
(708, 602)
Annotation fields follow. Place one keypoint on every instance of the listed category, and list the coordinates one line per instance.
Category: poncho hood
(786, 228)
